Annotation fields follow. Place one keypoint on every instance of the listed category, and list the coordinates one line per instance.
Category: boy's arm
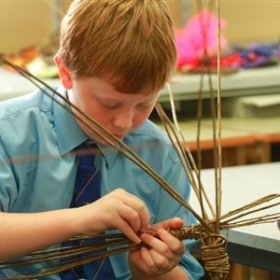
(23, 233)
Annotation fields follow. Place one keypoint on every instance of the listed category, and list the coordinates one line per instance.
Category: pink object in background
(190, 40)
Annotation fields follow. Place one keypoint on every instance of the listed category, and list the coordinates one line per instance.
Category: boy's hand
(116, 210)
(162, 254)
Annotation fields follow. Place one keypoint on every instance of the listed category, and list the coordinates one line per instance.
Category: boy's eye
(111, 105)
(145, 105)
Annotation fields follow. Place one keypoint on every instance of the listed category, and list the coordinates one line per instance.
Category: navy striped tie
(87, 190)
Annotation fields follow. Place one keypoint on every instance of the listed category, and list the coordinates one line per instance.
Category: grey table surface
(184, 86)
(255, 245)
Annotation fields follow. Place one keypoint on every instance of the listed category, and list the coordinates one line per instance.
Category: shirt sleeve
(8, 188)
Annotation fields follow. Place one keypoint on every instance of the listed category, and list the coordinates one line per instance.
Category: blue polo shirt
(38, 168)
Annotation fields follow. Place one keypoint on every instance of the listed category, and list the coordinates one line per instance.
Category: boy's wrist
(176, 273)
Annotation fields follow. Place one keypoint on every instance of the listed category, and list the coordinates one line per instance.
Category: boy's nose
(124, 120)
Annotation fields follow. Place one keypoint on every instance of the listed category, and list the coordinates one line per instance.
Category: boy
(114, 58)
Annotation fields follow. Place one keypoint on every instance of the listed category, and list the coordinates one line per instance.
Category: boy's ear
(64, 73)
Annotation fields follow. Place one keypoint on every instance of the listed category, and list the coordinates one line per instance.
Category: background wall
(28, 22)
(23, 23)
(247, 20)
(252, 20)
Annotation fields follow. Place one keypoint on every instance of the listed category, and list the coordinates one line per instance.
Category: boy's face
(120, 113)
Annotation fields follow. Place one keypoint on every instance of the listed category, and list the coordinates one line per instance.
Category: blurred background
(26, 22)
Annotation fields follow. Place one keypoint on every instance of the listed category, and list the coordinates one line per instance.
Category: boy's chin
(103, 142)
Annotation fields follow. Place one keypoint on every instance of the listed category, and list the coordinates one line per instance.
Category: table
(12, 84)
(184, 86)
(258, 245)
(244, 140)
(245, 82)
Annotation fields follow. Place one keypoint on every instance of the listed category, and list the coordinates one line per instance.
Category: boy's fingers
(168, 224)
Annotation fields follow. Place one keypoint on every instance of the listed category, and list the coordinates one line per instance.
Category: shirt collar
(69, 134)
(66, 124)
